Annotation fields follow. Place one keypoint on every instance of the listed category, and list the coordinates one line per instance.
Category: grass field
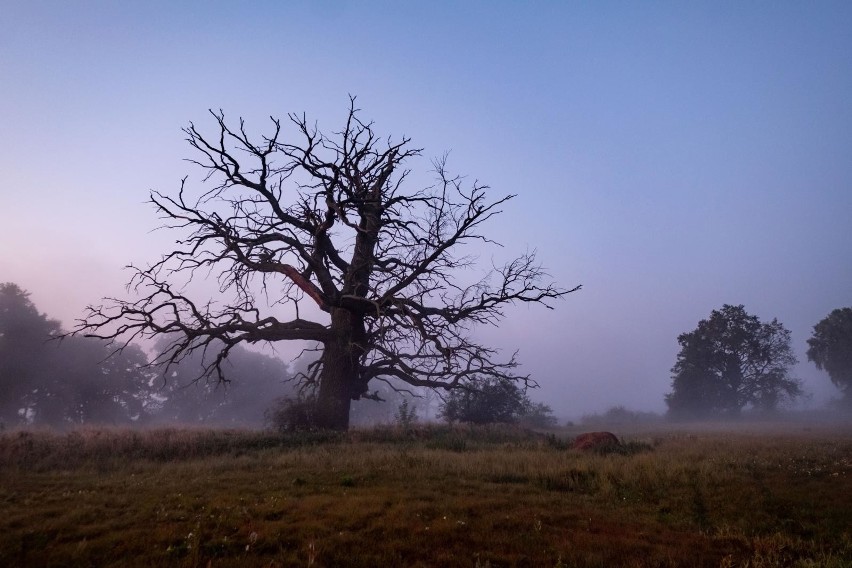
(434, 496)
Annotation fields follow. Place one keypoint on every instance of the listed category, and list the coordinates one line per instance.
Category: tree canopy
(495, 401)
(49, 382)
(335, 221)
(48, 378)
(730, 361)
(830, 348)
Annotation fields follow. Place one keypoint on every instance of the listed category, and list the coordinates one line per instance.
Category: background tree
(731, 361)
(93, 385)
(255, 381)
(495, 401)
(830, 348)
(24, 333)
(537, 415)
(44, 381)
(330, 219)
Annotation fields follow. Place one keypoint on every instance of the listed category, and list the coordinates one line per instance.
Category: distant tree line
(49, 379)
(51, 382)
(619, 416)
(732, 361)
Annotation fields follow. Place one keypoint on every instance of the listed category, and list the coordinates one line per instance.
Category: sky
(671, 157)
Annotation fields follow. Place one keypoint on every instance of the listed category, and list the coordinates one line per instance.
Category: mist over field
(669, 159)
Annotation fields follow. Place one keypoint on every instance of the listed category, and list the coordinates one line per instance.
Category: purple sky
(669, 157)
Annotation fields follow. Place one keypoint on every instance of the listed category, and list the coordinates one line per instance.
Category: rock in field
(592, 440)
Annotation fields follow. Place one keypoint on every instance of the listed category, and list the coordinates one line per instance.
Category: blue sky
(669, 157)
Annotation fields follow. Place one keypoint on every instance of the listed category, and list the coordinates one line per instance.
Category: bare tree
(330, 219)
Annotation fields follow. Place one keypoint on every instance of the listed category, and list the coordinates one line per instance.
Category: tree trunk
(339, 379)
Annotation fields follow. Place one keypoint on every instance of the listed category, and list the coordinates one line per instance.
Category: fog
(668, 158)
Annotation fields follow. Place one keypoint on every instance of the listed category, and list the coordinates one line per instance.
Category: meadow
(425, 496)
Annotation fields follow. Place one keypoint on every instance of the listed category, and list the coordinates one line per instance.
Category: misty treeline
(733, 361)
(49, 379)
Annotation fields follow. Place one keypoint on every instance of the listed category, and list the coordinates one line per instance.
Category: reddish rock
(591, 440)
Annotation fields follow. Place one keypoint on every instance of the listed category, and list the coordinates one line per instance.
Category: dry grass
(429, 497)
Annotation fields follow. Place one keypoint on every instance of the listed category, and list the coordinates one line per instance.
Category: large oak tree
(730, 361)
(335, 220)
(830, 348)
